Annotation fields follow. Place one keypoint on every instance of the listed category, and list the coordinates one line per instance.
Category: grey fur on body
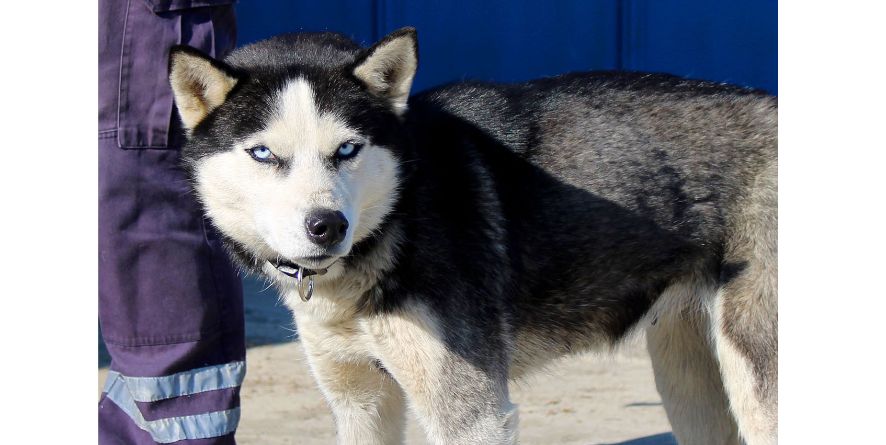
(508, 225)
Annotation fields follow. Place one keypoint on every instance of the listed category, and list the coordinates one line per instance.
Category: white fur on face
(264, 207)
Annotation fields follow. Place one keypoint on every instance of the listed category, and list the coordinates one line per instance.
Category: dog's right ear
(199, 83)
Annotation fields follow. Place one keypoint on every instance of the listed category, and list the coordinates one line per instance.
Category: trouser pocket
(145, 116)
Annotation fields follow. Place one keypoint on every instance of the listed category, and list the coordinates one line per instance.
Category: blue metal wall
(503, 40)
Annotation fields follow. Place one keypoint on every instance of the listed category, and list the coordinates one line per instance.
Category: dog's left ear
(387, 68)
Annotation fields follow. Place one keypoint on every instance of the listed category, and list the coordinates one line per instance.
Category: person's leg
(170, 304)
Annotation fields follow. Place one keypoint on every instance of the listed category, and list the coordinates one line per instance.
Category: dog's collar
(305, 287)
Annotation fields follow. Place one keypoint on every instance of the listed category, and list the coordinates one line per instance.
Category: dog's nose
(326, 227)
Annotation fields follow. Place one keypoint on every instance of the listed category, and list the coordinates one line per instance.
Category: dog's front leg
(368, 405)
(459, 398)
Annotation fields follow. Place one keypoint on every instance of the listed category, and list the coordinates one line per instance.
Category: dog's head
(295, 144)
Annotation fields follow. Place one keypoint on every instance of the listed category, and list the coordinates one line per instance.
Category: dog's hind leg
(460, 398)
(745, 314)
(749, 377)
(688, 379)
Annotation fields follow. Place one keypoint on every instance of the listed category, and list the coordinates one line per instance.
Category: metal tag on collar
(305, 290)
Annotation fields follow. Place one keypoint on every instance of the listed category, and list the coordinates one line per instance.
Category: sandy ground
(582, 400)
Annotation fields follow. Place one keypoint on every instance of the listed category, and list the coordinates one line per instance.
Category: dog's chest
(328, 327)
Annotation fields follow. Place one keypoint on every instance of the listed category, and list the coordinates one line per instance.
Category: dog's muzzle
(304, 277)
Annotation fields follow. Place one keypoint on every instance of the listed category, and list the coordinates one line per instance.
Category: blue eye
(261, 153)
(348, 150)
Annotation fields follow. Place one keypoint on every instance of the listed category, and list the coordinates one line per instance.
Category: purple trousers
(170, 303)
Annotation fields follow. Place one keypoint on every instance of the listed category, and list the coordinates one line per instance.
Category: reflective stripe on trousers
(125, 391)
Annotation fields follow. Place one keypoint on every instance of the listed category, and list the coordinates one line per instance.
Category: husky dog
(433, 248)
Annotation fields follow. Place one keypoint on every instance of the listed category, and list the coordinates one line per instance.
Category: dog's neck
(353, 281)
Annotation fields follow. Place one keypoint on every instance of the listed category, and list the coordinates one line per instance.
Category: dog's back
(617, 196)
(612, 186)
